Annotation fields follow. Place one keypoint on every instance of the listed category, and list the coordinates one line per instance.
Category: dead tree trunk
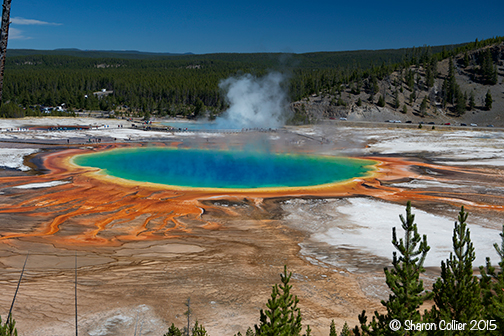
(3, 41)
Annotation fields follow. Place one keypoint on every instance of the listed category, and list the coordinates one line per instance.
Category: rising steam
(254, 102)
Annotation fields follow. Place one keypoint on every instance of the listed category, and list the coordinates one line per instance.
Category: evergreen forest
(144, 84)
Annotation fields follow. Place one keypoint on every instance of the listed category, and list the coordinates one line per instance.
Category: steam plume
(254, 102)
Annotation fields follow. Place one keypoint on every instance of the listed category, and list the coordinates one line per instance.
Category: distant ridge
(313, 60)
(382, 55)
(131, 54)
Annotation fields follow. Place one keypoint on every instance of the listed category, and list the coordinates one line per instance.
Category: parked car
(447, 124)
(474, 125)
(408, 122)
(342, 118)
(490, 125)
(462, 124)
(431, 123)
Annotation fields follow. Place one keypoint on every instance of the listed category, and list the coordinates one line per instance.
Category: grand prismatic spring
(177, 180)
(170, 184)
(224, 169)
(145, 244)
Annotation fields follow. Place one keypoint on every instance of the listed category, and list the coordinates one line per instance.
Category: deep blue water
(223, 169)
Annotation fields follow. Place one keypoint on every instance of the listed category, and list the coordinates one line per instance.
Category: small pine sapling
(173, 331)
(283, 317)
(457, 291)
(332, 329)
(403, 280)
(199, 330)
(9, 328)
(345, 331)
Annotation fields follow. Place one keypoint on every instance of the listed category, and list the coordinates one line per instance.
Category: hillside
(375, 85)
(405, 89)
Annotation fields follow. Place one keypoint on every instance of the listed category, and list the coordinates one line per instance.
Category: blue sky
(252, 26)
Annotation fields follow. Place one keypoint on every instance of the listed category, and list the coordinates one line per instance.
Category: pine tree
(494, 76)
(429, 77)
(403, 280)
(198, 330)
(410, 79)
(345, 331)
(332, 329)
(457, 291)
(472, 103)
(460, 106)
(488, 70)
(396, 99)
(173, 331)
(450, 87)
(374, 85)
(492, 286)
(198, 108)
(488, 100)
(412, 97)
(423, 106)
(381, 101)
(283, 317)
(467, 60)
(9, 328)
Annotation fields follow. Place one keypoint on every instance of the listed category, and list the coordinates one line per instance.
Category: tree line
(418, 77)
(174, 85)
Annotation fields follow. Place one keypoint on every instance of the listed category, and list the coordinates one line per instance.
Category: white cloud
(17, 34)
(22, 21)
